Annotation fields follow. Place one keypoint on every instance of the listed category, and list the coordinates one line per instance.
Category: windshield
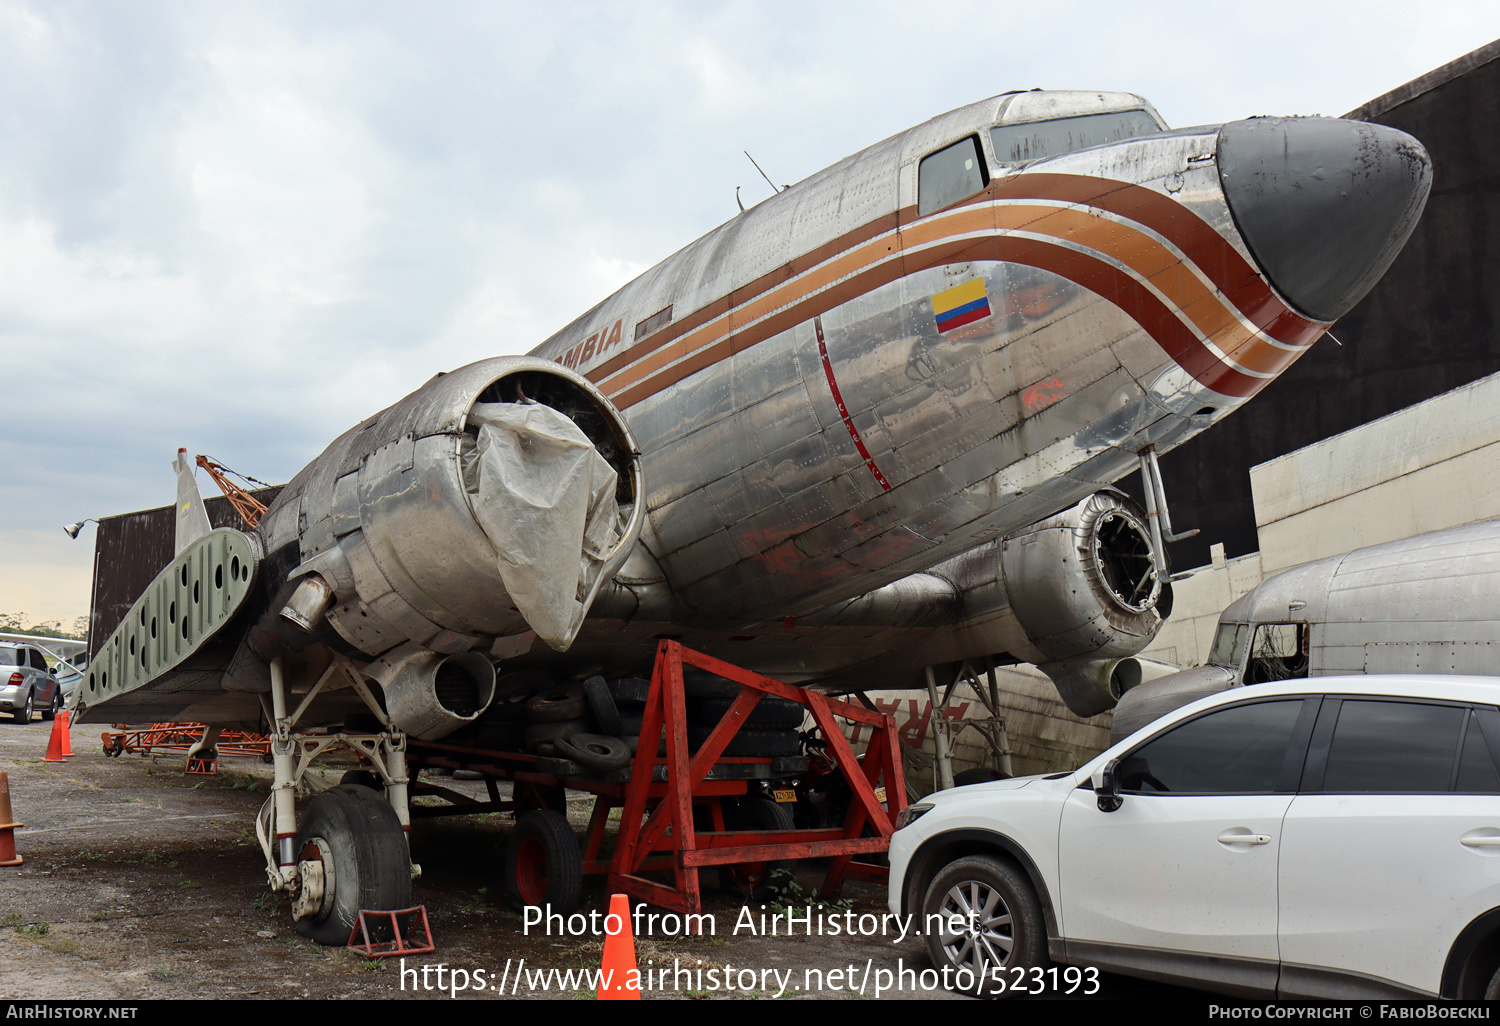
(1017, 143)
(1229, 645)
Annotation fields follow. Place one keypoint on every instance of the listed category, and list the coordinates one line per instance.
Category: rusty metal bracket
(402, 942)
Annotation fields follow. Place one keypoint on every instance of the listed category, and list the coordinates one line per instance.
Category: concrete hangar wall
(1430, 325)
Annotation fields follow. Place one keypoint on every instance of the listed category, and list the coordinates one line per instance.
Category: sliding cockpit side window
(1278, 651)
(950, 174)
(1016, 144)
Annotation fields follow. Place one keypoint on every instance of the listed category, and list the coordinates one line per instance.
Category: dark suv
(26, 686)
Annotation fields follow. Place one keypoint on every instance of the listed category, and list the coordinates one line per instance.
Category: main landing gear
(349, 850)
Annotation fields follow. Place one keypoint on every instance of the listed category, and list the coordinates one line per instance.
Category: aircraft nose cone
(1324, 204)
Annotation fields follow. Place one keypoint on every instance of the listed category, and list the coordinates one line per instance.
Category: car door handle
(1481, 841)
(1230, 837)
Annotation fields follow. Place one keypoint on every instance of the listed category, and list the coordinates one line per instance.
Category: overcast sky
(242, 227)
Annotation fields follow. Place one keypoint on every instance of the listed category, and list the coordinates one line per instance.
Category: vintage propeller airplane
(867, 426)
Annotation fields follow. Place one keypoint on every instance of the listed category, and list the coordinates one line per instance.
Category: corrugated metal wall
(131, 549)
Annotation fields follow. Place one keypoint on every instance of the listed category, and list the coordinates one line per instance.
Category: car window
(1239, 750)
(1393, 748)
(10, 657)
(1476, 765)
(37, 662)
(950, 174)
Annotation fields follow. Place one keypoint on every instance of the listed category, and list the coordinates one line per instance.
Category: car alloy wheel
(984, 922)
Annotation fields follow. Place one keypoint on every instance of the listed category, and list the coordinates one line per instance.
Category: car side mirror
(1106, 787)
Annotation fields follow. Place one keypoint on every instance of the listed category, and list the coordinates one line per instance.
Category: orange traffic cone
(619, 977)
(56, 742)
(67, 733)
(8, 856)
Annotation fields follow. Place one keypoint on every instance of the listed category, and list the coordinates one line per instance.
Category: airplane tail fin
(192, 518)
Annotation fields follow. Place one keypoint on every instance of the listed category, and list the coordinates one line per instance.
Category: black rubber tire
(543, 865)
(594, 751)
(758, 881)
(770, 713)
(1492, 992)
(556, 705)
(522, 683)
(23, 714)
(510, 709)
(56, 706)
(698, 683)
(630, 690)
(371, 864)
(602, 707)
(362, 778)
(977, 775)
(996, 890)
(749, 742)
(540, 738)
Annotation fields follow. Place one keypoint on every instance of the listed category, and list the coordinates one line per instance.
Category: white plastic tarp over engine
(546, 499)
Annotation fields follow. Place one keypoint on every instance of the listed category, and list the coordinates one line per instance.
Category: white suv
(1333, 837)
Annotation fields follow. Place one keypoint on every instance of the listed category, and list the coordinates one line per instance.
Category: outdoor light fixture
(73, 529)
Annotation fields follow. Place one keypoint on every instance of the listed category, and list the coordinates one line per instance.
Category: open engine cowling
(482, 511)
(1076, 594)
(1082, 591)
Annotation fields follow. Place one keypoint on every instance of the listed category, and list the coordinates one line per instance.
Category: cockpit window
(1229, 645)
(1277, 652)
(950, 174)
(1017, 143)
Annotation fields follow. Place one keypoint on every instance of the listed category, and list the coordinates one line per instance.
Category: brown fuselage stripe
(1105, 280)
(1220, 262)
(1137, 250)
(806, 262)
(838, 401)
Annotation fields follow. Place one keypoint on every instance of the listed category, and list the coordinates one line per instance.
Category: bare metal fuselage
(838, 413)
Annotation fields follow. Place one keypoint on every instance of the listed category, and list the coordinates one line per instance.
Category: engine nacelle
(406, 539)
(1076, 594)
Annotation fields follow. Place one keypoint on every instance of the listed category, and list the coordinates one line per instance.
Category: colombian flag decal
(960, 305)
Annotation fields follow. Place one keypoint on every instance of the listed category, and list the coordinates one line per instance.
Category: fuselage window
(1016, 144)
(660, 319)
(947, 176)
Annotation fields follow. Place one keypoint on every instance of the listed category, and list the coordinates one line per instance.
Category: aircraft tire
(371, 866)
(983, 880)
(755, 881)
(543, 865)
(364, 778)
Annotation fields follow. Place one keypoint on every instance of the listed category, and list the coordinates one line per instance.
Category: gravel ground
(142, 883)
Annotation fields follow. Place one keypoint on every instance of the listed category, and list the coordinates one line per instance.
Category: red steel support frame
(669, 826)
